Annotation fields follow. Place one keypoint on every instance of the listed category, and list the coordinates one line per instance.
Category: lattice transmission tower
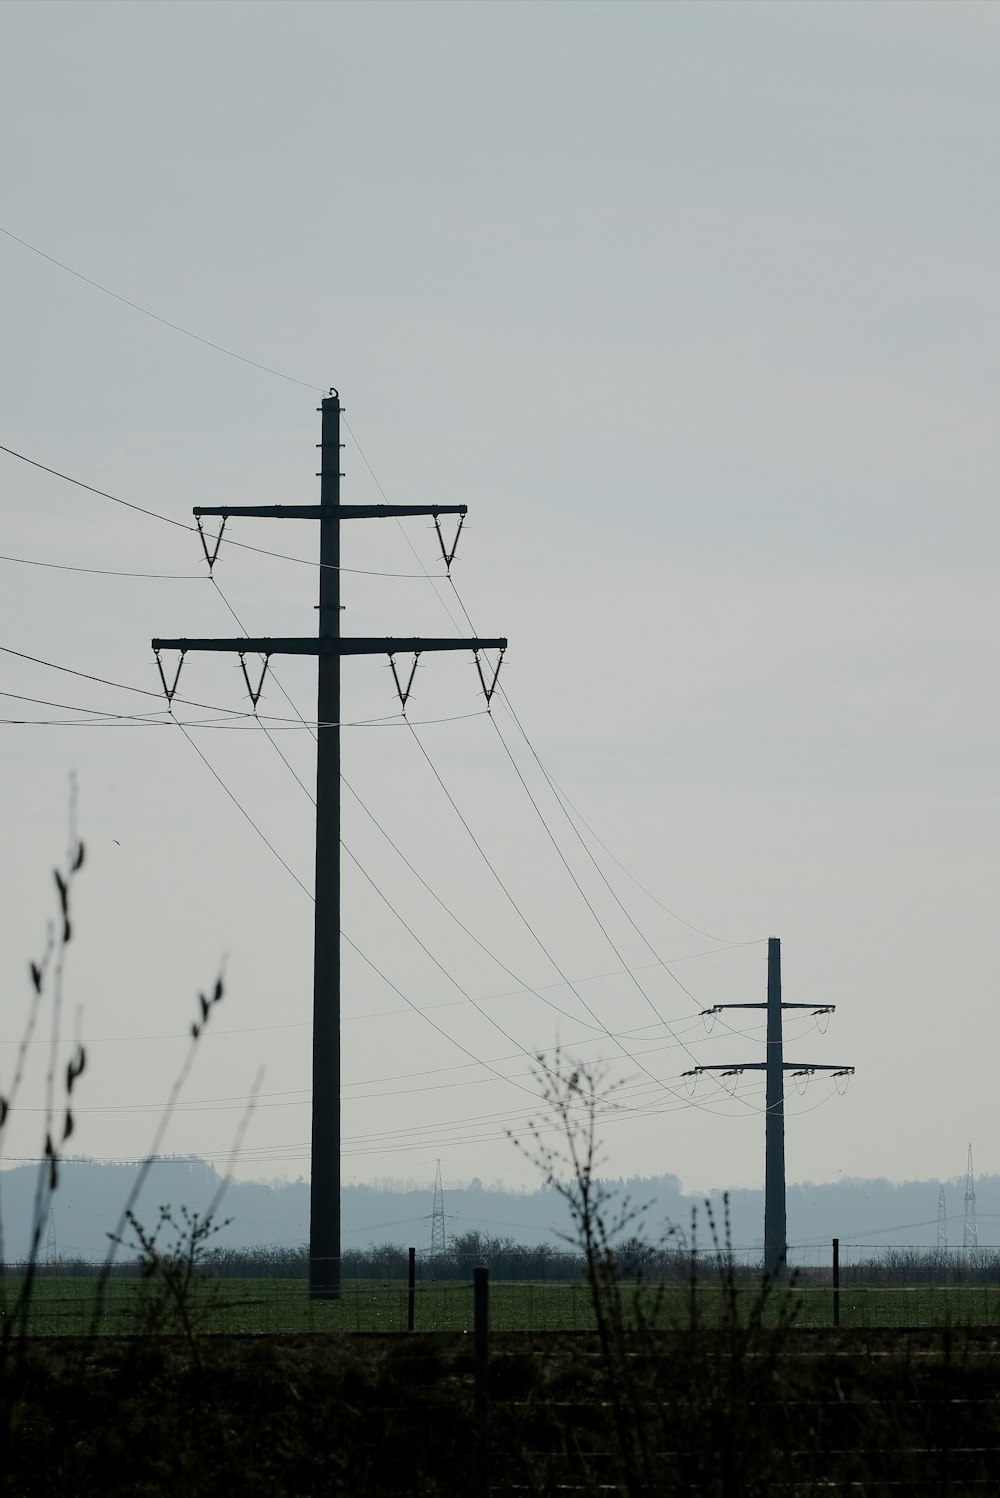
(942, 1241)
(438, 1240)
(970, 1235)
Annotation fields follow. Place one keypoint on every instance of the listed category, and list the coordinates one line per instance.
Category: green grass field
(65, 1306)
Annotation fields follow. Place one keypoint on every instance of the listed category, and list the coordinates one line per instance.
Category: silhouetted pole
(411, 1289)
(481, 1358)
(324, 1190)
(775, 1232)
(836, 1281)
(774, 1068)
(328, 646)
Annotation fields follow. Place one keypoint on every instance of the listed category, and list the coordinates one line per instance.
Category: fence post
(411, 1283)
(481, 1356)
(836, 1281)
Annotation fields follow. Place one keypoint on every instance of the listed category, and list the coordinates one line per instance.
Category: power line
(106, 681)
(243, 812)
(614, 1038)
(505, 696)
(427, 952)
(213, 707)
(561, 795)
(279, 374)
(111, 721)
(602, 876)
(369, 1143)
(70, 707)
(524, 784)
(524, 987)
(416, 1008)
(263, 551)
(176, 327)
(496, 726)
(187, 577)
(153, 514)
(467, 996)
(583, 844)
(478, 1060)
(370, 1015)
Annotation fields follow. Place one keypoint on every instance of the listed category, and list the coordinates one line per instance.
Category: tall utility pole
(970, 1233)
(942, 1231)
(328, 646)
(775, 1231)
(439, 1241)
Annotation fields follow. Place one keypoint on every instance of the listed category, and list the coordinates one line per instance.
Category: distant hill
(869, 1213)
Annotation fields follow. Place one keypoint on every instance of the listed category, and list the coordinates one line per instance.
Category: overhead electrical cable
(501, 1076)
(438, 964)
(106, 682)
(521, 778)
(244, 813)
(561, 797)
(415, 1007)
(586, 898)
(364, 872)
(213, 723)
(263, 551)
(468, 997)
(269, 370)
(164, 321)
(186, 577)
(726, 943)
(524, 987)
(616, 1039)
(603, 877)
(223, 712)
(565, 862)
(505, 698)
(287, 763)
(370, 1143)
(72, 708)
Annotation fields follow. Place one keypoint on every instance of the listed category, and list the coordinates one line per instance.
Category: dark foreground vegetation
(711, 1413)
(666, 1391)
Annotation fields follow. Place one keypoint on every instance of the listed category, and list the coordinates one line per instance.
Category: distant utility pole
(439, 1242)
(942, 1236)
(775, 1231)
(329, 646)
(970, 1233)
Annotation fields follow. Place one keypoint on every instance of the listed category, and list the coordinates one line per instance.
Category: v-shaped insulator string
(210, 556)
(404, 692)
(488, 690)
(254, 694)
(448, 556)
(168, 691)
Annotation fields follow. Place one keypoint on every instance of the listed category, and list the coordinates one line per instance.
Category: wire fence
(234, 1295)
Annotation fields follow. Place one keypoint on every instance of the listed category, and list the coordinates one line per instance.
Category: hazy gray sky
(696, 307)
